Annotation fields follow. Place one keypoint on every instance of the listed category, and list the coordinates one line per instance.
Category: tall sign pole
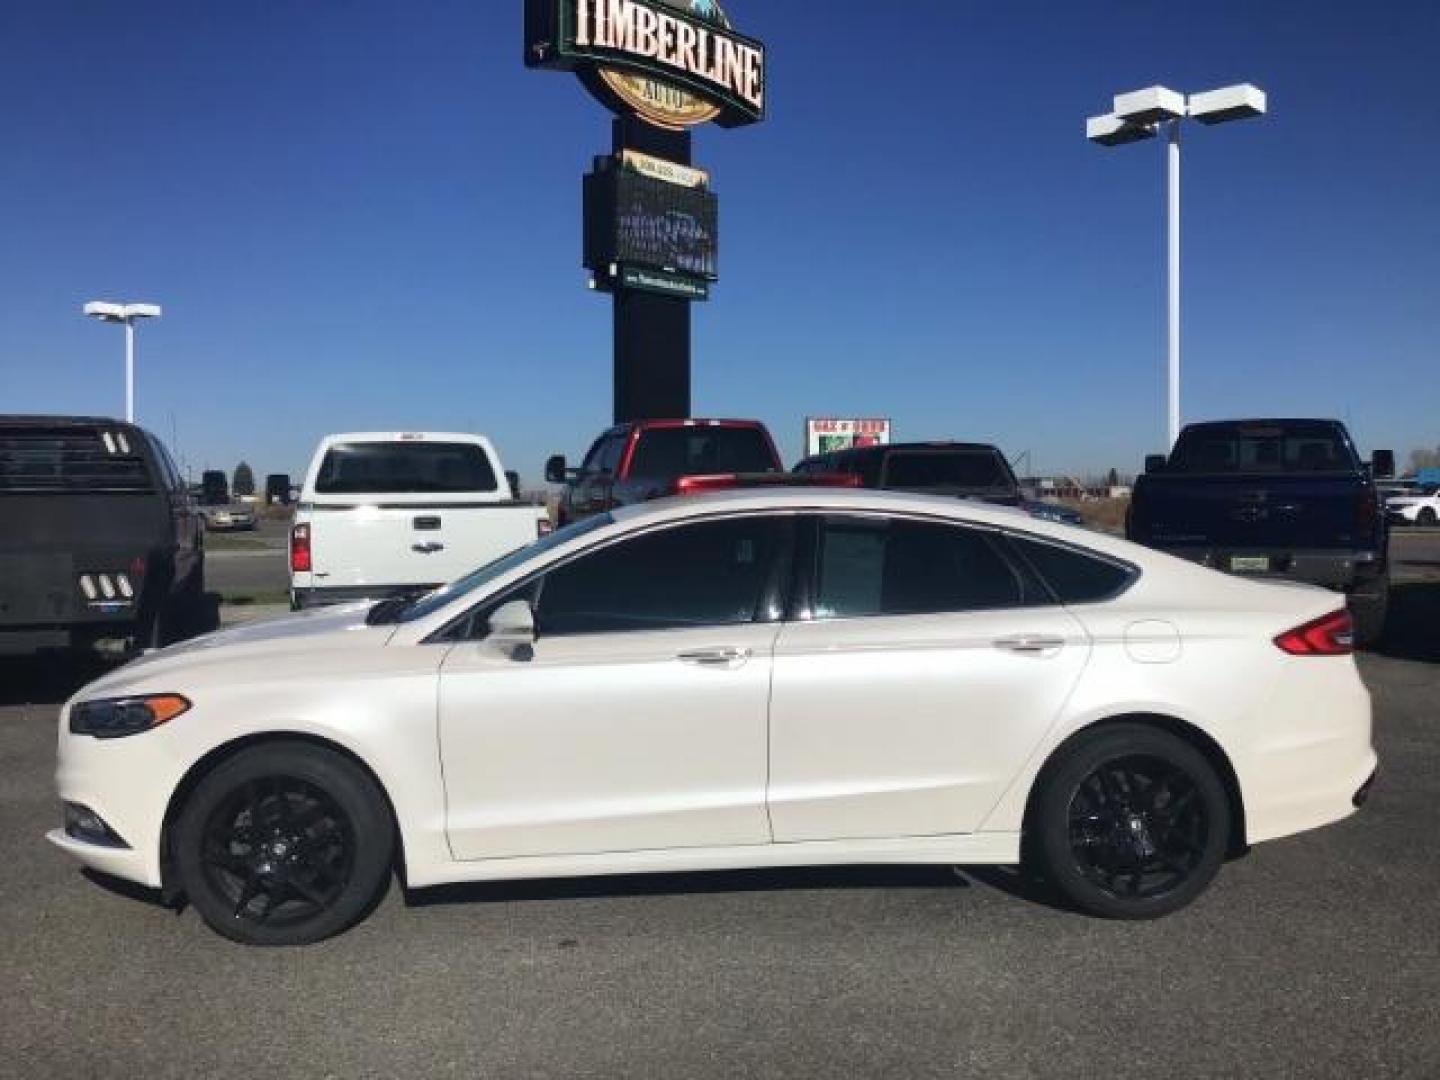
(663, 67)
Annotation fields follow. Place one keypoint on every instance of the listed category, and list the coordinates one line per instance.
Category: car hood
(311, 633)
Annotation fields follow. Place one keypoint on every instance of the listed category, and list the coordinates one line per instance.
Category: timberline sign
(675, 63)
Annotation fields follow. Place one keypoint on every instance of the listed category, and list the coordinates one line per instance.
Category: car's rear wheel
(284, 844)
(1428, 518)
(1130, 822)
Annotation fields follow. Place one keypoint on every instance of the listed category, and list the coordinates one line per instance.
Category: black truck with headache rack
(1277, 498)
(99, 537)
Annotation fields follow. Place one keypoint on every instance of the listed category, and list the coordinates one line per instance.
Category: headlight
(114, 718)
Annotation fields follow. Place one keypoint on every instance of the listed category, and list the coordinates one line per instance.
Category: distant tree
(1424, 459)
(244, 482)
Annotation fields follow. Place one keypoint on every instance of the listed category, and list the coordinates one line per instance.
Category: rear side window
(72, 460)
(1073, 576)
(405, 468)
(699, 451)
(869, 566)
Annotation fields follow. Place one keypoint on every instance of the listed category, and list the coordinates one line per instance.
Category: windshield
(493, 571)
(697, 451)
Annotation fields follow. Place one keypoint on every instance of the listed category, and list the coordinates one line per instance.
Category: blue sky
(366, 214)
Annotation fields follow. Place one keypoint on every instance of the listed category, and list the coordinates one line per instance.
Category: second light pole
(1141, 115)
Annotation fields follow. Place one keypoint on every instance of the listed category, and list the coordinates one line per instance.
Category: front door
(925, 672)
(639, 720)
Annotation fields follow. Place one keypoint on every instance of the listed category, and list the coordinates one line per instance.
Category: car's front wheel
(284, 844)
(1428, 518)
(1130, 822)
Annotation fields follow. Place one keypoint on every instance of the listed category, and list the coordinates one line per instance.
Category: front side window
(880, 566)
(707, 574)
(405, 468)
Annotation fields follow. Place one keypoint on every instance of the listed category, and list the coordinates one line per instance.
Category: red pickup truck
(650, 459)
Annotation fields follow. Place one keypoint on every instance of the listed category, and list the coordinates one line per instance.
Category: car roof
(841, 500)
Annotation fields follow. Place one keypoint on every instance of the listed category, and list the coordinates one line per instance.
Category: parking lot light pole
(1141, 115)
(126, 314)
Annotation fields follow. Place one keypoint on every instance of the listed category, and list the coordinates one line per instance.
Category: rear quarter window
(1074, 576)
(405, 468)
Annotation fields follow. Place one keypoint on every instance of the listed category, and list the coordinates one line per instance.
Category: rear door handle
(1031, 644)
(427, 549)
(726, 657)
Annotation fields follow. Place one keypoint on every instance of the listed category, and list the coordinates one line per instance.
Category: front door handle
(427, 549)
(1031, 644)
(726, 657)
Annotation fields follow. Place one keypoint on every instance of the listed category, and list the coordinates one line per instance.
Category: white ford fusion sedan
(748, 679)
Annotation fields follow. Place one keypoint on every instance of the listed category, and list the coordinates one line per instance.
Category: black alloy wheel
(1138, 827)
(1128, 822)
(1428, 518)
(285, 843)
(281, 849)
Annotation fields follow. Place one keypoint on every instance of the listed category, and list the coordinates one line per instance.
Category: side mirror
(513, 479)
(1155, 463)
(555, 471)
(511, 629)
(1383, 464)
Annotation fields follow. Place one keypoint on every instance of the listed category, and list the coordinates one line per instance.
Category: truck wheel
(1369, 612)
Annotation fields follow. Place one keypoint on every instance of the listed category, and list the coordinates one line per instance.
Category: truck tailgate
(413, 544)
(1311, 512)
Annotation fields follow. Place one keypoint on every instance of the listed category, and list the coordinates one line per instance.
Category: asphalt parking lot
(1313, 956)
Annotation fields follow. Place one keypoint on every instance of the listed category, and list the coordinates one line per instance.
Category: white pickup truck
(393, 514)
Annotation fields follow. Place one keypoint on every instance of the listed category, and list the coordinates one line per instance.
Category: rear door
(925, 669)
(409, 512)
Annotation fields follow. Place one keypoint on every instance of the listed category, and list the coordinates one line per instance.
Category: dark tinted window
(712, 574)
(1292, 447)
(611, 451)
(895, 567)
(72, 459)
(403, 468)
(697, 451)
(1074, 577)
(947, 469)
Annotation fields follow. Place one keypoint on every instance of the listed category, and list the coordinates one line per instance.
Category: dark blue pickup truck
(1277, 498)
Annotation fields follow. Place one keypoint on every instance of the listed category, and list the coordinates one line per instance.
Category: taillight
(1330, 635)
(300, 549)
(694, 485)
(697, 485)
(543, 528)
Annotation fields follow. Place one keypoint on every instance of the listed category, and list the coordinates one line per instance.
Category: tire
(284, 844)
(1427, 518)
(1128, 822)
(1369, 613)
